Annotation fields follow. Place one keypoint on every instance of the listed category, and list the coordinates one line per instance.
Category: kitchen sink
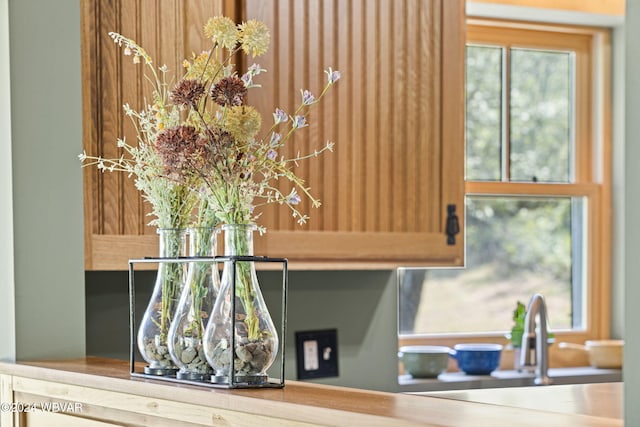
(507, 378)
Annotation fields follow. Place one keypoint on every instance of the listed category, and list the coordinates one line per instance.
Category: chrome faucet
(537, 308)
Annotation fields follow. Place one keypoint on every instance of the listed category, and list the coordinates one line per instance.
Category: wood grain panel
(110, 125)
(388, 104)
(395, 116)
(169, 31)
(130, 92)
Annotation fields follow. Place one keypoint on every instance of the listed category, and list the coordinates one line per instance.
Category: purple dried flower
(293, 198)
(307, 97)
(187, 92)
(272, 154)
(247, 79)
(182, 149)
(299, 122)
(252, 71)
(256, 69)
(275, 139)
(280, 116)
(333, 76)
(229, 91)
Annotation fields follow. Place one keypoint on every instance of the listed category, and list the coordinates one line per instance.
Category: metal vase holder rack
(234, 259)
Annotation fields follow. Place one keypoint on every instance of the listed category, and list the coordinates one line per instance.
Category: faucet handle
(526, 349)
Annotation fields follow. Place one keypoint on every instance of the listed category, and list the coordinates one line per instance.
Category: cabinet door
(396, 117)
(116, 217)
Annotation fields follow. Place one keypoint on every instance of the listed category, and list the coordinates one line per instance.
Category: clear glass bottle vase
(153, 331)
(196, 303)
(255, 339)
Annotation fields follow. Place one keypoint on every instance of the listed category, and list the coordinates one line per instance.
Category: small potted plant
(519, 314)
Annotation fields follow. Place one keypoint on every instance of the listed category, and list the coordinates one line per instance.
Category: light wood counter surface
(603, 400)
(108, 396)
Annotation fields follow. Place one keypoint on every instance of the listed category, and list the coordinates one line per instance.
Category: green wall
(632, 208)
(7, 298)
(45, 181)
(361, 305)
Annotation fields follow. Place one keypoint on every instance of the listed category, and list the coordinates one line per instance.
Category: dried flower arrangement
(200, 138)
(198, 145)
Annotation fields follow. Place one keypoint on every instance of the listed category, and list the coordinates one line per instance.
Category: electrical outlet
(317, 354)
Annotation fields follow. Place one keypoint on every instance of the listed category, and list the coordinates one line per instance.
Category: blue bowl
(477, 359)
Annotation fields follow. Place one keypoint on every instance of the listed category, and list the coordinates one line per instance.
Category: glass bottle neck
(172, 242)
(202, 241)
(238, 239)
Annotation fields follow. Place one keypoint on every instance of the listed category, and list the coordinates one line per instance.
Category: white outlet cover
(311, 355)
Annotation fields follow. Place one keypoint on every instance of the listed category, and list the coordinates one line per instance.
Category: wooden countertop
(603, 400)
(307, 403)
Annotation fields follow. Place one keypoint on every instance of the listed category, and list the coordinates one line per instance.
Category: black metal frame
(232, 383)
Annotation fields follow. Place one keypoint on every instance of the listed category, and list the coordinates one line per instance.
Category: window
(537, 190)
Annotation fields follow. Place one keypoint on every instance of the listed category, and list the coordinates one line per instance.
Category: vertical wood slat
(343, 151)
(262, 101)
(131, 77)
(426, 113)
(313, 58)
(371, 220)
(452, 93)
(299, 75)
(148, 22)
(398, 127)
(330, 110)
(412, 107)
(446, 86)
(110, 123)
(357, 38)
(89, 46)
(384, 111)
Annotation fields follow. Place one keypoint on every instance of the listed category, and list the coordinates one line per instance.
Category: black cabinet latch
(453, 226)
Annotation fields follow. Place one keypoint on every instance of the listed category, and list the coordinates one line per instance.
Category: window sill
(507, 378)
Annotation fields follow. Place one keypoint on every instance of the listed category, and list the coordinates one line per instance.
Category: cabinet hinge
(453, 226)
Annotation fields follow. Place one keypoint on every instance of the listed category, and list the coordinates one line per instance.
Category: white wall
(45, 185)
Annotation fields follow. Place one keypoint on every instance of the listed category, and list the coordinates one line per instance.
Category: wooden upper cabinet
(396, 117)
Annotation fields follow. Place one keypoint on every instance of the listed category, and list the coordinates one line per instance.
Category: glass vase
(154, 327)
(196, 303)
(255, 340)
